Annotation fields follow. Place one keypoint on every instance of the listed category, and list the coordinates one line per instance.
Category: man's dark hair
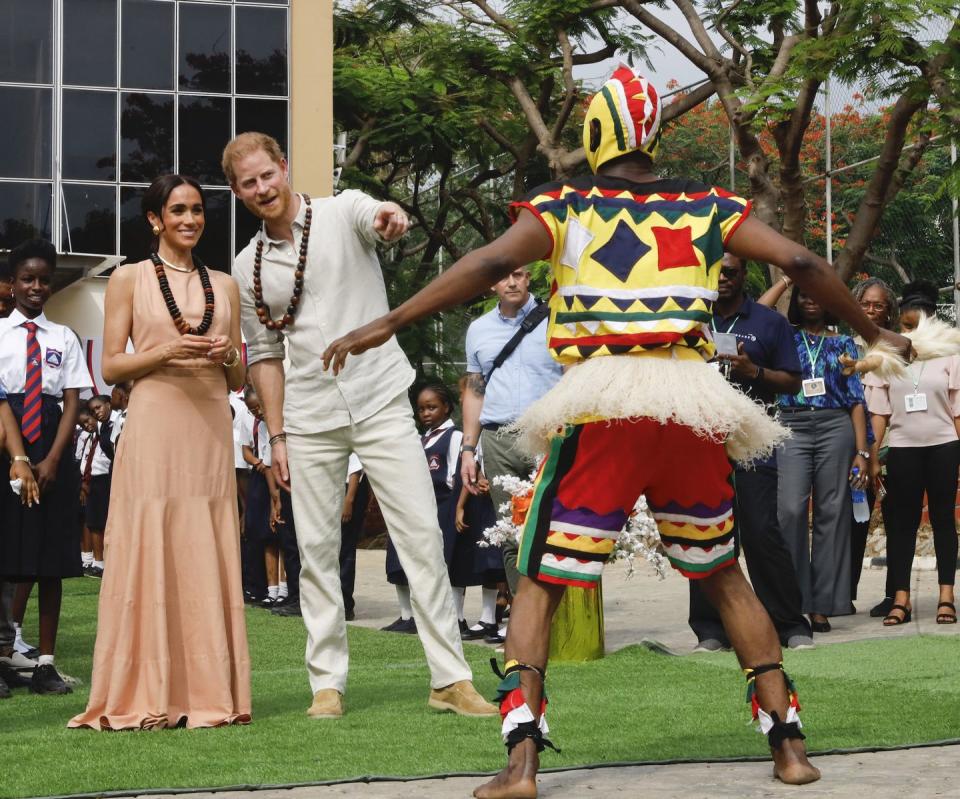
(31, 248)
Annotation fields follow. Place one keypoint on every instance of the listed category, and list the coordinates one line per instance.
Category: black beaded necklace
(182, 324)
(263, 312)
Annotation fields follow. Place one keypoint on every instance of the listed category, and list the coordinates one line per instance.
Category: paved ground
(645, 608)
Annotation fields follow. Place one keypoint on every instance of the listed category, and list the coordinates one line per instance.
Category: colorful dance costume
(635, 274)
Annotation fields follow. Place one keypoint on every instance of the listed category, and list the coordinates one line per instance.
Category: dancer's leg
(754, 639)
(528, 641)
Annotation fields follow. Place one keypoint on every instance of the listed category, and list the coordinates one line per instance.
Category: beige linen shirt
(342, 289)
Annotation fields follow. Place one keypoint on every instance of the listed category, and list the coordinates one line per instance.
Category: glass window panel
(89, 145)
(135, 233)
(205, 48)
(261, 51)
(26, 41)
(27, 132)
(90, 42)
(146, 131)
(147, 45)
(24, 212)
(90, 219)
(204, 131)
(246, 226)
(214, 245)
(265, 116)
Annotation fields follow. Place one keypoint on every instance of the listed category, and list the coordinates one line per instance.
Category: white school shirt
(242, 430)
(61, 357)
(119, 419)
(262, 450)
(101, 463)
(353, 465)
(343, 289)
(453, 451)
(81, 447)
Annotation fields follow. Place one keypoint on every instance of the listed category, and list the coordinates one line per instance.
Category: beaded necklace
(263, 312)
(182, 324)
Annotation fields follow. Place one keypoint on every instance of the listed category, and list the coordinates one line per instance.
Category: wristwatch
(863, 454)
(23, 459)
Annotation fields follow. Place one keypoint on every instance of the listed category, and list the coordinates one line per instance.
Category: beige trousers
(389, 449)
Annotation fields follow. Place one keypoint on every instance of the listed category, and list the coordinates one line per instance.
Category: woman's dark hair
(793, 310)
(893, 306)
(159, 192)
(442, 391)
(920, 295)
(31, 248)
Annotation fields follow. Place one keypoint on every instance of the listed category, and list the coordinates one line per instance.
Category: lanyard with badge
(725, 342)
(814, 386)
(918, 400)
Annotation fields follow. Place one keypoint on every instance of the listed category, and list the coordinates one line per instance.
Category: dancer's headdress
(623, 117)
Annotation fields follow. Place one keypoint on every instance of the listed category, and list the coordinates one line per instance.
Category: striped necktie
(32, 401)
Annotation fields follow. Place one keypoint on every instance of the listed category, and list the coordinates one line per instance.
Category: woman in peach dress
(171, 644)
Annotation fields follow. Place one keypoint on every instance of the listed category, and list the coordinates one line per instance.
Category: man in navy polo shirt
(766, 365)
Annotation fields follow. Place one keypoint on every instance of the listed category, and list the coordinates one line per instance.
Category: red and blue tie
(32, 398)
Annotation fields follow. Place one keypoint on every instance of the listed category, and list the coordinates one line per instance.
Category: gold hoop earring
(156, 230)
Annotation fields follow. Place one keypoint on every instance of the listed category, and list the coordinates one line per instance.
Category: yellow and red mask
(623, 117)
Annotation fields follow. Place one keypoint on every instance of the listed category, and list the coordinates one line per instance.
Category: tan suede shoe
(462, 698)
(327, 704)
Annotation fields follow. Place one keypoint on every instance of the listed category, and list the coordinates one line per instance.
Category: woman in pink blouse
(922, 411)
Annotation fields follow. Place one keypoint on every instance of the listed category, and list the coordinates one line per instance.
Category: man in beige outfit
(310, 275)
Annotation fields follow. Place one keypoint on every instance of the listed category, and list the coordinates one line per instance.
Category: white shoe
(19, 661)
(21, 646)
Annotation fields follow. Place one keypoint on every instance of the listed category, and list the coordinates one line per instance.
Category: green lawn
(631, 706)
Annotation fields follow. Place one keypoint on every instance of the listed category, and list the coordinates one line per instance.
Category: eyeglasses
(873, 306)
(730, 272)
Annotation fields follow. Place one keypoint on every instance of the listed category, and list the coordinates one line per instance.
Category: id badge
(726, 343)
(915, 402)
(814, 387)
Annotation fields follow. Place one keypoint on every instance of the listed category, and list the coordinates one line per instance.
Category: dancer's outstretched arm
(476, 272)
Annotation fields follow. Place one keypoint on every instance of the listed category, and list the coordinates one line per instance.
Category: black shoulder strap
(532, 319)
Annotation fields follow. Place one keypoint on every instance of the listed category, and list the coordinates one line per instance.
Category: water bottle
(861, 510)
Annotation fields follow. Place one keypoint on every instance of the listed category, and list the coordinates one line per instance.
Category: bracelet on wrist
(234, 360)
(278, 437)
(468, 448)
(22, 459)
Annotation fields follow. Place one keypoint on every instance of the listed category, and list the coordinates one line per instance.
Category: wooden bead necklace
(263, 312)
(182, 324)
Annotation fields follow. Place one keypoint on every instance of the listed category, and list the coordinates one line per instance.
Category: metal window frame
(59, 215)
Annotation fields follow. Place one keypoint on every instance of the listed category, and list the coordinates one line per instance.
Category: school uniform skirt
(256, 520)
(98, 502)
(42, 541)
(469, 563)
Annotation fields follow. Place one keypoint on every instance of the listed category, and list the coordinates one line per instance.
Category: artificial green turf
(631, 706)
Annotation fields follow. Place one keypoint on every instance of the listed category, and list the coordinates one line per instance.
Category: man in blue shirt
(494, 399)
(766, 364)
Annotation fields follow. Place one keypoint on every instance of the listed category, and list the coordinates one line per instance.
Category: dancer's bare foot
(519, 779)
(790, 764)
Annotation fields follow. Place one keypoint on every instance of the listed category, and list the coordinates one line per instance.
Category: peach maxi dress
(171, 638)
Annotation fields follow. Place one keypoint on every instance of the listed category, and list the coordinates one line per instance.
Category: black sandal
(946, 618)
(893, 621)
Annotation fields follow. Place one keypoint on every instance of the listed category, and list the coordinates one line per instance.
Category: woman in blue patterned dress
(826, 454)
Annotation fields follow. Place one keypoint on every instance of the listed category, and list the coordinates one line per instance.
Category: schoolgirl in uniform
(83, 453)
(263, 504)
(441, 445)
(96, 479)
(42, 365)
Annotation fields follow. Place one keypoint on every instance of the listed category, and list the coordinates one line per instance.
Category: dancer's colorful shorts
(590, 481)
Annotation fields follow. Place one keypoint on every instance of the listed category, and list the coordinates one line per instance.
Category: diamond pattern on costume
(622, 252)
(675, 248)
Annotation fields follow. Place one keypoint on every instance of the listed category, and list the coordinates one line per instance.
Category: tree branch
(498, 137)
(570, 87)
(684, 103)
(661, 28)
(356, 152)
(695, 22)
